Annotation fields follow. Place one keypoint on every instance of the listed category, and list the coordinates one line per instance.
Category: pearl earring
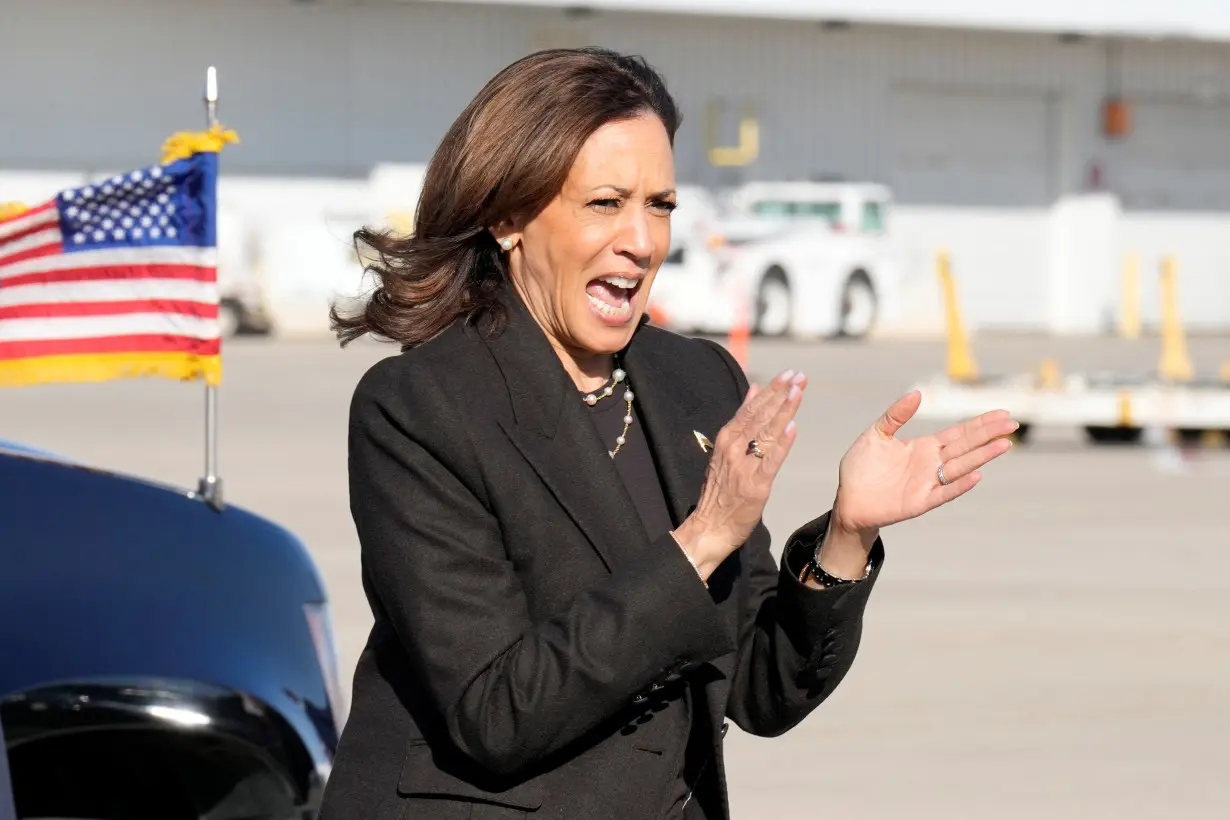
(506, 243)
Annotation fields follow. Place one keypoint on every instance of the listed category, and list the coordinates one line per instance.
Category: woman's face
(584, 265)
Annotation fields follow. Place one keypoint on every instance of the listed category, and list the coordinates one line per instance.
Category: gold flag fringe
(184, 144)
(8, 210)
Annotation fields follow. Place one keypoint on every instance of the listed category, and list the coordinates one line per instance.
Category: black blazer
(522, 614)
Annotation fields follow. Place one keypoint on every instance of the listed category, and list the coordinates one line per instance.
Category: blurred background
(1021, 205)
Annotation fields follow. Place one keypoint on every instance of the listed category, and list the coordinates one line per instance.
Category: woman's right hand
(737, 483)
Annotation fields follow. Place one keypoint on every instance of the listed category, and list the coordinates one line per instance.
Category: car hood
(109, 576)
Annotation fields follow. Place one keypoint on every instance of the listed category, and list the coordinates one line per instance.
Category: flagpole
(210, 486)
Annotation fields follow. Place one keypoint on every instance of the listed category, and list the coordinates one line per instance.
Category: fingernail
(794, 392)
(798, 377)
(786, 375)
(790, 426)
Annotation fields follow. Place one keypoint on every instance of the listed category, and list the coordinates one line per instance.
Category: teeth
(620, 282)
(610, 310)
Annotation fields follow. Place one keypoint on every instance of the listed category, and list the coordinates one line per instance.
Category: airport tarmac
(1055, 644)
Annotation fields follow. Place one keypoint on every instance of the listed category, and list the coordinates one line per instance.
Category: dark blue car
(158, 658)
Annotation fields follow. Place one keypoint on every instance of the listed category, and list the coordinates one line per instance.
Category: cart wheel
(1114, 435)
(1189, 436)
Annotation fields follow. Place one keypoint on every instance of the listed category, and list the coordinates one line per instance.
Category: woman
(559, 505)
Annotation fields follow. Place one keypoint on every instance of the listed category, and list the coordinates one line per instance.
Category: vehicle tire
(859, 307)
(774, 304)
(229, 319)
(1114, 435)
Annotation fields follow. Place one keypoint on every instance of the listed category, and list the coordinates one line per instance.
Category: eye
(665, 205)
(605, 204)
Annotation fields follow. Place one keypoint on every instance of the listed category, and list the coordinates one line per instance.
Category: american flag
(114, 279)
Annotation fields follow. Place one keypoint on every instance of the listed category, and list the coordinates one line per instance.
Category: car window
(873, 217)
(769, 207)
(828, 211)
(675, 257)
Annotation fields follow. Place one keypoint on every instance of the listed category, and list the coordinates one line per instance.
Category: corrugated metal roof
(1195, 19)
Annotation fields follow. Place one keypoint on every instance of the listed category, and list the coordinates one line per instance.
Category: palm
(883, 480)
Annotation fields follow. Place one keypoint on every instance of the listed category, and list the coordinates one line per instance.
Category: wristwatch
(812, 569)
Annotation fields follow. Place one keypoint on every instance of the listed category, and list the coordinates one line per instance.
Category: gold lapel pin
(705, 444)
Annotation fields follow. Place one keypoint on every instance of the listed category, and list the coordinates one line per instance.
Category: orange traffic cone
(740, 336)
(658, 316)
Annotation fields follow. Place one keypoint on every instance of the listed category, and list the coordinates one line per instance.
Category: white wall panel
(334, 87)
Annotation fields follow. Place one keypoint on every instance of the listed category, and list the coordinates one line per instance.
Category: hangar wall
(978, 133)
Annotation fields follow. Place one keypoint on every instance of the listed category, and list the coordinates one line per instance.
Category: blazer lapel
(668, 409)
(551, 429)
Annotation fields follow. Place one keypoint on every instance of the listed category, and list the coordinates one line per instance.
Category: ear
(506, 235)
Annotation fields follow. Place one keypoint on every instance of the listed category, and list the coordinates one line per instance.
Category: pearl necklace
(593, 398)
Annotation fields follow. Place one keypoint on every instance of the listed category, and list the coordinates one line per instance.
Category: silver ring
(939, 474)
(753, 449)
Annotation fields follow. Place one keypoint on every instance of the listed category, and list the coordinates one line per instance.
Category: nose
(636, 237)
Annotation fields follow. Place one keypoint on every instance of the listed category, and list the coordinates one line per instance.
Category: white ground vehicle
(800, 259)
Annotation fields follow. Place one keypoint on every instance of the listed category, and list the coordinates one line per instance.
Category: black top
(636, 467)
(521, 616)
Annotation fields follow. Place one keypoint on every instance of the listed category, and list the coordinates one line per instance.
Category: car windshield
(807, 209)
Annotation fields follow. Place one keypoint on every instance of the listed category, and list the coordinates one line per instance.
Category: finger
(765, 405)
(775, 426)
(950, 435)
(895, 417)
(989, 432)
(947, 492)
(756, 396)
(968, 463)
(776, 451)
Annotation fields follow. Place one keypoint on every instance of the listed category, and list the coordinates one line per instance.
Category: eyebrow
(626, 192)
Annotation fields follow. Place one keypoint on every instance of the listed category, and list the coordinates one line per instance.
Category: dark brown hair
(507, 155)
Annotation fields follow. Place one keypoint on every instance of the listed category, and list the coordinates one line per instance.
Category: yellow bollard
(1176, 364)
(961, 364)
(1129, 314)
(1124, 407)
(1213, 439)
(1049, 376)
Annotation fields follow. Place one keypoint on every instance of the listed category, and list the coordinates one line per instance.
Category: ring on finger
(939, 475)
(753, 449)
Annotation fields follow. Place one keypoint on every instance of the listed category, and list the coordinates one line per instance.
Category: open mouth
(610, 298)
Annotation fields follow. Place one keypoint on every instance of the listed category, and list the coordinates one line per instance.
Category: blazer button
(640, 700)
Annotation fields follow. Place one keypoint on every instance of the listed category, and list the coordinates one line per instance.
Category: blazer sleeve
(510, 690)
(796, 643)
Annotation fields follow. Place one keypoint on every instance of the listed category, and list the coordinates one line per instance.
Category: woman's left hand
(883, 480)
